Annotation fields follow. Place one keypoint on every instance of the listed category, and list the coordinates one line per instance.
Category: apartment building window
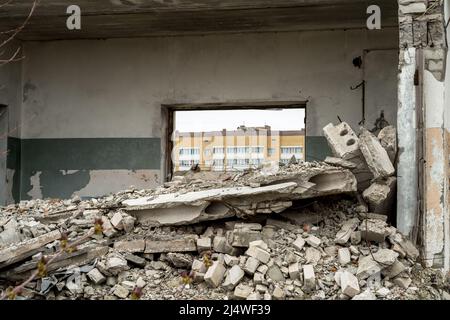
(291, 150)
(188, 163)
(234, 138)
(189, 151)
(218, 150)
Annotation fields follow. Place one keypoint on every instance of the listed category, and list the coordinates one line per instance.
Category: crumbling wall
(424, 47)
(77, 92)
(10, 96)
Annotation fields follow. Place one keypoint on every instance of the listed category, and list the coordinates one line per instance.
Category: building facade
(230, 150)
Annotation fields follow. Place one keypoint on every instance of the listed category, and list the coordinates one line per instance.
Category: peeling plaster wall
(447, 129)
(10, 95)
(436, 168)
(422, 29)
(406, 127)
(87, 90)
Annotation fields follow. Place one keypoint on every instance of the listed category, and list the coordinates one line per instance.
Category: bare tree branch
(20, 28)
(6, 3)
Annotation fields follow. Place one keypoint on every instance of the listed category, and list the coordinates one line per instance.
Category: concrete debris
(280, 232)
(346, 231)
(375, 155)
(309, 278)
(388, 139)
(340, 162)
(242, 291)
(374, 230)
(96, 276)
(349, 284)
(299, 243)
(342, 140)
(381, 195)
(366, 295)
(344, 256)
(187, 243)
(215, 273)
(367, 266)
(235, 275)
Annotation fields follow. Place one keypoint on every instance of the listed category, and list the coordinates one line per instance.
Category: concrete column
(436, 218)
(423, 39)
(406, 125)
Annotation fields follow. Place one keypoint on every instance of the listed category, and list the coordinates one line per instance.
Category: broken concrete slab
(10, 233)
(402, 282)
(349, 284)
(234, 276)
(192, 207)
(275, 273)
(342, 140)
(388, 140)
(116, 264)
(366, 295)
(367, 267)
(309, 278)
(343, 235)
(282, 225)
(117, 220)
(203, 244)
(294, 271)
(312, 256)
(293, 216)
(22, 250)
(299, 243)
(187, 243)
(258, 253)
(131, 246)
(251, 264)
(381, 195)
(313, 241)
(344, 256)
(121, 291)
(243, 237)
(376, 156)
(242, 291)
(278, 293)
(373, 230)
(393, 270)
(215, 273)
(96, 277)
(340, 162)
(180, 260)
(385, 257)
(135, 260)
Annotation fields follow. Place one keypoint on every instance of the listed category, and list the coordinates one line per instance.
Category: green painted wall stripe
(50, 156)
(317, 148)
(91, 154)
(13, 162)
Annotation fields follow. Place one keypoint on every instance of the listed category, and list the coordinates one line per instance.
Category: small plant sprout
(98, 226)
(137, 293)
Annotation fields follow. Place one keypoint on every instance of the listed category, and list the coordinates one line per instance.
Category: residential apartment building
(238, 149)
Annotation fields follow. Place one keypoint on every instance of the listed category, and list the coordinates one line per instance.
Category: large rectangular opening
(235, 138)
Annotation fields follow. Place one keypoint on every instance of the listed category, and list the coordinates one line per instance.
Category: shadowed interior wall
(82, 98)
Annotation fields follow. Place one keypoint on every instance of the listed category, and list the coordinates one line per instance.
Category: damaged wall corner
(423, 85)
(406, 126)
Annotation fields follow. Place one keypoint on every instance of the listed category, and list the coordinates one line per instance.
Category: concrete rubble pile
(298, 231)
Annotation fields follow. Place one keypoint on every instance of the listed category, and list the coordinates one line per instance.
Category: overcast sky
(215, 120)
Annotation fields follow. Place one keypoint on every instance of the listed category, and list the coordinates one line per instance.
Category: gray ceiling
(138, 18)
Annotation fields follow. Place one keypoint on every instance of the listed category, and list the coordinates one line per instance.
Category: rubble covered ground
(316, 230)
